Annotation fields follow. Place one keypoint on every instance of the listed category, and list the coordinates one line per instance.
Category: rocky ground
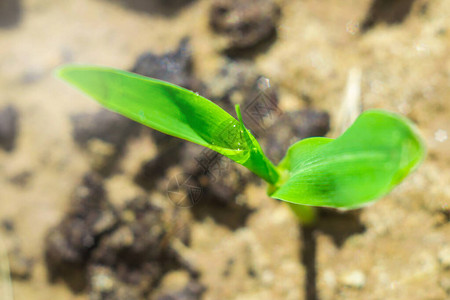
(90, 202)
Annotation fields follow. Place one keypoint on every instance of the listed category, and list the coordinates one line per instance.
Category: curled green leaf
(365, 163)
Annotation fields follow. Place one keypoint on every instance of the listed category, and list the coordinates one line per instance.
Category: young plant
(375, 154)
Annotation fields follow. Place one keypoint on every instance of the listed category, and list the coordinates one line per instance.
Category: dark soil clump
(239, 82)
(173, 66)
(10, 12)
(20, 265)
(386, 11)
(104, 135)
(292, 127)
(68, 245)
(104, 125)
(245, 24)
(115, 253)
(8, 127)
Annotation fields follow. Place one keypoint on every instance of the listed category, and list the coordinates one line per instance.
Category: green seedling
(375, 154)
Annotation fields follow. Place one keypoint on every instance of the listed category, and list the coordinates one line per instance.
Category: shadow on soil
(339, 226)
(231, 215)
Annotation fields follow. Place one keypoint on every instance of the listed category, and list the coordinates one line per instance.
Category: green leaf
(172, 110)
(365, 163)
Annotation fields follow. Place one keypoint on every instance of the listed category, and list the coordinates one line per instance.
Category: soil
(93, 206)
(8, 127)
(244, 24)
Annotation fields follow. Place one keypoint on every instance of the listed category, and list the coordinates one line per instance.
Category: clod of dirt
(137, 243)
(386, 11)
(218, 178)
(238, 82)
(222, 180)
(22, 178)
(165, 142)
(260, 109)
(116, 254)
(232, 82)
(169, 153)
(68, 245)
(212, 188)
(21, 267)
(174, 66)
(10, 12)
(8, 127)
(137, 254)
(244, 23)
(292, 127)
(103, 125)
(154, 169)
(104, 134)
(8, 225)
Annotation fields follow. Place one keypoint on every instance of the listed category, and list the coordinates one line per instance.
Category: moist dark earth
(96, 206)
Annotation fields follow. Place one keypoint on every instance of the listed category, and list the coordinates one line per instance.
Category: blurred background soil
(90, 202)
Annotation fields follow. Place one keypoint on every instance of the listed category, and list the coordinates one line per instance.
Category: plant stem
(258, 162)
(307, 215)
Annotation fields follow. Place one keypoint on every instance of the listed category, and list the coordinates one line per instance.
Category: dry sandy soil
(397, 248)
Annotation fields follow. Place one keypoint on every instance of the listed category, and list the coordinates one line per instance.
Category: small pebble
(21, 266)
(267, 277)
(352, 27)
(440, 135)
(444, 257)
(329, 278)
(354, 279)
(102, 281)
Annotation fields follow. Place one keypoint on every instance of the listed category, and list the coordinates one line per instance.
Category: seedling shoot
(369, 159)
